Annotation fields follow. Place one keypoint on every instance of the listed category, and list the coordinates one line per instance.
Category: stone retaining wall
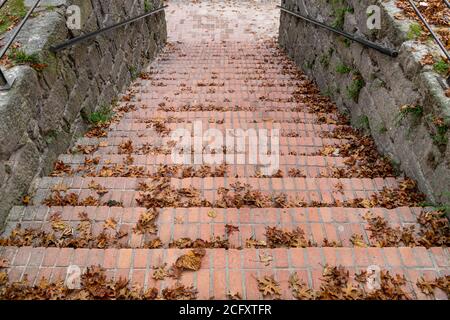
(46, 110)
(417, 144)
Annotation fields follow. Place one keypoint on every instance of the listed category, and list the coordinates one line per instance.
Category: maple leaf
(269, 286)
(265, 258)
(427, 287)
(352, 292)
(234, 296)
(252, 243)
(3, 278)
(4, 263)
(299, 289)
(358, 241)
(160, 273)
(191, 261)
(60, 188)
(26, 200)
(110, 223)
(212, 214)
(229, 229)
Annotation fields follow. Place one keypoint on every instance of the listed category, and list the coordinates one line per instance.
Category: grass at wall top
(11, 14)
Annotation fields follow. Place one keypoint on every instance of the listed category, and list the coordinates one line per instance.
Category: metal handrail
(3, 3)
(91, 35)
(4, 84)
(367, 43)
(427, 25)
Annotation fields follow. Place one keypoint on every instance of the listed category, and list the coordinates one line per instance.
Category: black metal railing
(352, 37)
(91, 35)
(427, 25)
(4, 84)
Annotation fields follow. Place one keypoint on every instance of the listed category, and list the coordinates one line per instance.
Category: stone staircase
(104, 180)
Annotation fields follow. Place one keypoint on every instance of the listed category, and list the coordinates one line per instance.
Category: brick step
(151, 111)
(201, 85)
(293, 142)
(290, 123)
(141, 130)
(221, 80)
(125, 190)
(151, 165)
(319, 224)
(279, 216)
(230, 271)
(161, 149)
(150, 160)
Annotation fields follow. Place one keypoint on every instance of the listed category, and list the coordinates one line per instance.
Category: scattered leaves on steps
(94, 286)
(434, 231)
(337, 285)
(428, 287)
(179, 292)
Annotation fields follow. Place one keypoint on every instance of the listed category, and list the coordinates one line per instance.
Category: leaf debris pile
(94, 285)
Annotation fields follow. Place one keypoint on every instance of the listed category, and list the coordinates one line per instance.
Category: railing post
(4, 84)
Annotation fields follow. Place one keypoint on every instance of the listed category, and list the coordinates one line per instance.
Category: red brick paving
(215, 43)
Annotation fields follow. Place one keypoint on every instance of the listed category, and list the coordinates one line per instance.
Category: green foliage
(339, 12)
(347, 42)
(382, 129)
(363, 123)
(440, 138)
(343, 69)
(415, 31)
(147, 6)
(441, 67)
(325, 60)
(12, 11)
(442, 207)
(355, 87)
(102, 115)
(328, 92)
(309, 64)
(416, 112)
(21, 57)
(133, 72)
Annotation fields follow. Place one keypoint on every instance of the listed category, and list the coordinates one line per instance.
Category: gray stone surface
(41, 115)
(389, 83)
